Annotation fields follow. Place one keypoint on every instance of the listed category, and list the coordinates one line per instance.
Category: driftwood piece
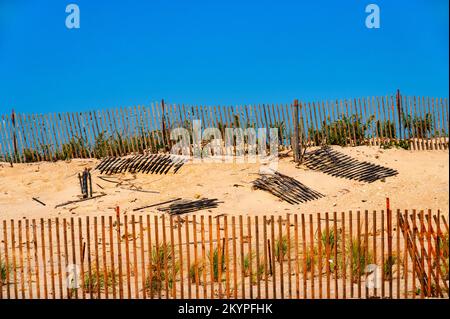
(135, 189)
(37, 200)
(79, 200)
(153, 205)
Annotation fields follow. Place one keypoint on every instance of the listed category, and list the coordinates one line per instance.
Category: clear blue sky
(217, 52)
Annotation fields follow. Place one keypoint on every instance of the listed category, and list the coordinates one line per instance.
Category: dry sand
(422, 183)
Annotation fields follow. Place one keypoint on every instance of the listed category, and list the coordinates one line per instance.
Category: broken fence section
(142, 163)
(336, 164)
(286, 188)
(184, 206)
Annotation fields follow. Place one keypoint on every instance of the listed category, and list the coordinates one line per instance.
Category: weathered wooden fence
(401, 254)
(409, 122)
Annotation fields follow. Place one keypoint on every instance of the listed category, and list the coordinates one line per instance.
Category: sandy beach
(422, 183)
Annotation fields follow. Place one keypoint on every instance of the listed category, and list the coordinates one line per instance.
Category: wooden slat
(304, 253)
(172, 250)
(289, 270)
(319, 251)
(272, 251)
(235, 270)
(97, 259)
(327, 253)
(297, 255)
(203, 260)
(52, 269)
(180, 255)
(311, 255)
(188, 256)
(111, 256)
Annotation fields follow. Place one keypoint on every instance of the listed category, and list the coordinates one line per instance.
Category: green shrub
(397, 144)
(342, 131)
(385, 129)
(417, 126)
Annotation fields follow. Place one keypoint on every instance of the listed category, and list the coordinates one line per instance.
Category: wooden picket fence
(401, 254)
(411, 122)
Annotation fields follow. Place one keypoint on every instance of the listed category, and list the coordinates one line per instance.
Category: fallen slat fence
(417, 123)
(334, 163)
(386, 254)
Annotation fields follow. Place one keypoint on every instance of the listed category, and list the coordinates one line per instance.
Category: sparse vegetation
(215, 260)
(281, 248)
(342, 131)
(356, 256)
(417, 126)
(3, 268)
(93, 282)
(157, 274)
(396, 143)
(200, 267)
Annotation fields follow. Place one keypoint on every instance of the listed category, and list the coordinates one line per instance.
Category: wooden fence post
(296, 148)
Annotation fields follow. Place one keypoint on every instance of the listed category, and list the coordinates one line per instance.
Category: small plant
(30, 155)
(161, 255)
(332, 240)
(444, 248)
(386, 129)
(258, 272)
(248, 258)
(418, 126)
(199, 267)
(388, 265)
(3, 268)
(281, 248)
(281, 127)
(312, 259)
(357, 257)
(94, 282)
(101, 145)
(398, 144)
(215, 261)
(342, 131)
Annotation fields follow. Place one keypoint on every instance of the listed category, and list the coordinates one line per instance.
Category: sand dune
(422, 183)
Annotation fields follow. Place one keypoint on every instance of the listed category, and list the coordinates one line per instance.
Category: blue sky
(217, 52)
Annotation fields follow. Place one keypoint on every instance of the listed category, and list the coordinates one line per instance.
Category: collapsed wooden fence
(409, 122)
(401, 254)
